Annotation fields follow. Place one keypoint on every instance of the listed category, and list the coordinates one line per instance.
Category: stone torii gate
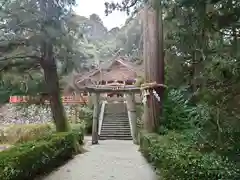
(95, 92)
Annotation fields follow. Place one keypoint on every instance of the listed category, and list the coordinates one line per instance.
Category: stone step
(115, 122)
(116, 134)
(115, 137)
(115, 130)
(115, 118)
(116, 115)
(115, 110)
(118, 124)
(115, 126)
(110, 111)
(116, 104)
(113, 105)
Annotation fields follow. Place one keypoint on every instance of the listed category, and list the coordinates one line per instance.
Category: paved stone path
(110, 160)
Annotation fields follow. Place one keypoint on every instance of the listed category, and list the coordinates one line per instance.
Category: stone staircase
(115, 123)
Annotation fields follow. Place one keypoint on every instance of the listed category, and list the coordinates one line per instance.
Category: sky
(88, 7)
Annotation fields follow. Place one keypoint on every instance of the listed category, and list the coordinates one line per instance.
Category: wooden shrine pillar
(131, 107)
(95, 98)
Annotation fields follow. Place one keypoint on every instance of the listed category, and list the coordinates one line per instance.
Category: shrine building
(119, 71)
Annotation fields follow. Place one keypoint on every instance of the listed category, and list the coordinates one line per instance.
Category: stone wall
(19, 114)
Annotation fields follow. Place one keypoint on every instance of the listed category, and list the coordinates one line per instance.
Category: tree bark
(160, 63)
(152, 61)
(52, 84)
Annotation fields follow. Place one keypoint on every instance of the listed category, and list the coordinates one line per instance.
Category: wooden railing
(101, 116)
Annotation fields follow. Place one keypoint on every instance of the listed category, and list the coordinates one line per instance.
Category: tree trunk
(152, 62)
(52, 84)
(160, 62)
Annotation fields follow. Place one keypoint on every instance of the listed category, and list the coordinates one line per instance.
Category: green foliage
(176, 111)
(213, 133)
(78, 127)
(26, 161)
(176, 158)
(180, 115)
(24, 132)
(189, 141)
(86, 114)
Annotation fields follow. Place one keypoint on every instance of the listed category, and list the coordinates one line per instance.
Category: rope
(152, 85)
(145, 88)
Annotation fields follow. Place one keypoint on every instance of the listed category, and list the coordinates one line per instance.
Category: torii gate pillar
(95, 98)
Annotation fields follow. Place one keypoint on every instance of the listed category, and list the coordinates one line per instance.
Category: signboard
(65, 99)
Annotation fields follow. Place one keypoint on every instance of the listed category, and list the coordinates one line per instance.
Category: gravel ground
(110, 160)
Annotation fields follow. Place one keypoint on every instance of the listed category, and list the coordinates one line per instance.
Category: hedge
(177, 160)
(28, 160)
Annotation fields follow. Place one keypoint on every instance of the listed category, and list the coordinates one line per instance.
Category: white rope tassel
(156, 95)
(144, 100)
(146, 93)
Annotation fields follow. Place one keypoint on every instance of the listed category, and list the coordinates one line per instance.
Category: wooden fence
(37, 99)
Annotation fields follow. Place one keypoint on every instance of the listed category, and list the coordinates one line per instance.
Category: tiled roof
(107, 65)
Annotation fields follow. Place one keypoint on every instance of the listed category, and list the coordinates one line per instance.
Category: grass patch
(15, 134)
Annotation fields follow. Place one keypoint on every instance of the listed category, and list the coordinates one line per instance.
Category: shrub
(86, 114)
(78, 127)
(176, 158)
(176, 111)
(27, 160)
(179, 114)
(25, 132)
